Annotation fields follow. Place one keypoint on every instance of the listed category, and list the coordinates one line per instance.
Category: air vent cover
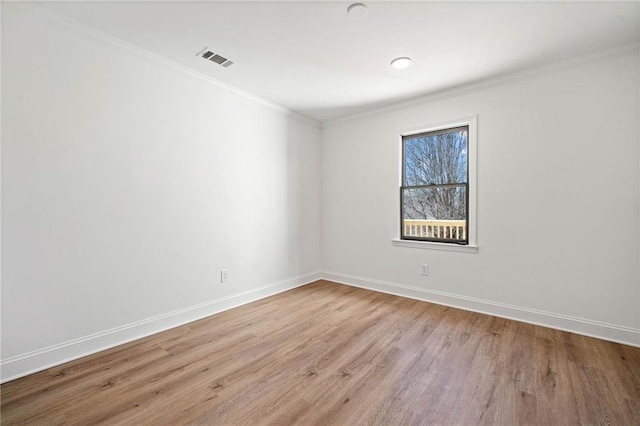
(214, 57)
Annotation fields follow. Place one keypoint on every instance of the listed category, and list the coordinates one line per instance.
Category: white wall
(128, 184)
(558, 201)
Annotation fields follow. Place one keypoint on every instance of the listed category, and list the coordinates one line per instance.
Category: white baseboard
(22, 365)
(614, 333)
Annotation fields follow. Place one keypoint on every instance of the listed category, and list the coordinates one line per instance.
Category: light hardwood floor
(332, 354)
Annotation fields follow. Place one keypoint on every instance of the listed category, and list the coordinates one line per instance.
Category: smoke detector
(214, 57)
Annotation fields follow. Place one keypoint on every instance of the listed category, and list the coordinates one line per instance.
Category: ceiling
(314, 59)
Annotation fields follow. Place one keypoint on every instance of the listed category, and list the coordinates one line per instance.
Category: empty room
(320, 212)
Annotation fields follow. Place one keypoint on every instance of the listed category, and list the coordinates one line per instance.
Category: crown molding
(44, 12)
(495, 81)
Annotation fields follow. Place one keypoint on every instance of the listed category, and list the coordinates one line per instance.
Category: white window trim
(472, 247)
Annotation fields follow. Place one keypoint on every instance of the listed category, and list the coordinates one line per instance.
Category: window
(437, 199)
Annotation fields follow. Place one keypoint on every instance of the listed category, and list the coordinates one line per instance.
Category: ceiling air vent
(214, 57)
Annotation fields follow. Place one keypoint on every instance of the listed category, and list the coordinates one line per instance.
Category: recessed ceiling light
(401, 63)
(357, 10)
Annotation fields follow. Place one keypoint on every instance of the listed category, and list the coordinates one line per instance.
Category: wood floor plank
(329, 354)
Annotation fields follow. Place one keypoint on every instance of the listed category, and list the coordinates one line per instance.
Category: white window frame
(472, 246)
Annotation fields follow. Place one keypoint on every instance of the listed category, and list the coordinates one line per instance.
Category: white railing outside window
(449, 229)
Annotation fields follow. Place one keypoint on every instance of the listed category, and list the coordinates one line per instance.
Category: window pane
(435, 213)
(435, 158)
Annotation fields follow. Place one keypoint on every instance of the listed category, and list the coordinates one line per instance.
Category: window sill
(434, 246)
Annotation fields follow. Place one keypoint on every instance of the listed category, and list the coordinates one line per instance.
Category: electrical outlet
(424, 269)
(224, 275)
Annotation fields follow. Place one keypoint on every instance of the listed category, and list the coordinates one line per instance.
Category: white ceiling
(312, 58)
